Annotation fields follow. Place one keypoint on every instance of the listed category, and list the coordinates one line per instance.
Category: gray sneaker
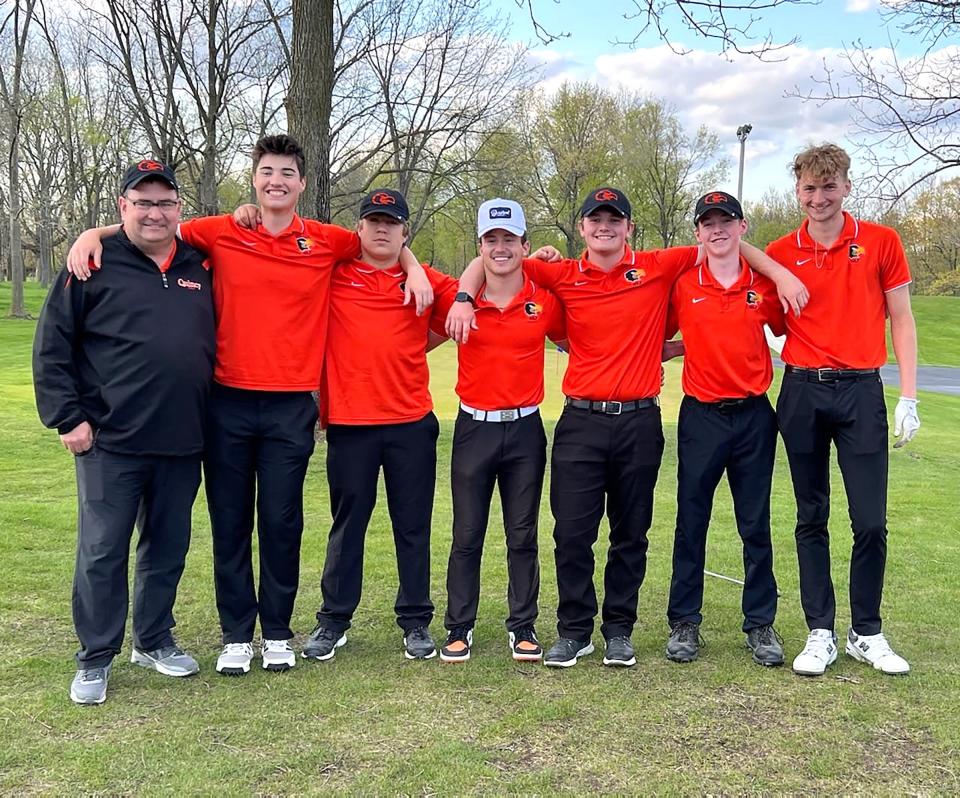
(766, 645)
(684, 642)
(322, 643)
(418, 644)
(168, 660)
(566, 651)
(89, 686)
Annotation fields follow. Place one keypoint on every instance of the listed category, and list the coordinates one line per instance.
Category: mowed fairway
(372, 722)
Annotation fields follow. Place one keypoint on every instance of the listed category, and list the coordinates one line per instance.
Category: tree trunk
(45, 238)
(16, 249)
(310, 98)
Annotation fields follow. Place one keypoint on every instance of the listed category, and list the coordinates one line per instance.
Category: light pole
(742, 132)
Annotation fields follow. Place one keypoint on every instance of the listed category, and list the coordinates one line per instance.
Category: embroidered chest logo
(754, 299)
(856, 252)
(532, 309)
(193, 286)
(634, 275)
(402, 286)
(304, 244)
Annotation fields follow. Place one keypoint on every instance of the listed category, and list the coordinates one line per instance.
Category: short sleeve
(894, 269)
(203, 231)
(541, 272)
(773, 314)
(675, 260)
(344, 244)
(556, 319)
(673, 317)
(444, 290)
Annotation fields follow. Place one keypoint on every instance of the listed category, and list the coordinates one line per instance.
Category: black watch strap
(463, 296)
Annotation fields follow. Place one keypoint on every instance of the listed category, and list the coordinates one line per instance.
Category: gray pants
(116, 491)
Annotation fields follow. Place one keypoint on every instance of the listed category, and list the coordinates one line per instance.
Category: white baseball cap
(501, 214)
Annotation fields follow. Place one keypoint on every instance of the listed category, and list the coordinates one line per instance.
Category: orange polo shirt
(501, 365)
(726, 353)
(375, 371)
(271, 298)
(615, 320)
(844, 324)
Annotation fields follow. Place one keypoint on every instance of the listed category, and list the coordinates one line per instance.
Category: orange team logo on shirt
(715, 199)
(754, 299)
(856, 252)
(634, 275)
(383, 198)
(149, 166)
(606, 195)
(532, 309)
(304, 244)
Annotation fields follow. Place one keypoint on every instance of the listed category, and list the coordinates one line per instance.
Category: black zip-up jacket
(130, 351)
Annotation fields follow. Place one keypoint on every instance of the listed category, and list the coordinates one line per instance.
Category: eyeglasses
(165, 206)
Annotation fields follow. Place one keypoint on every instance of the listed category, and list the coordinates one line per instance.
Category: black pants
(600, 459)
(258, 446)
(851, 414)
(116, 491)
(741, 440)
(512, 454)
(408, 455)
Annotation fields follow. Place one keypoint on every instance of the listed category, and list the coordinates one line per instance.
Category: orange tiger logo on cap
(715, 199)
(606, 195)
(150, 166)
(383, 198)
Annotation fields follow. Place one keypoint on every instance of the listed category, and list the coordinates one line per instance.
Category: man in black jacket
(122, 367)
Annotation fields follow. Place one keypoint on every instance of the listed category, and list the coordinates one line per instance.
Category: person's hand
(792, 292)
(906, 422)
(85, 254)
(79, 439)
(671, 349)
(247, 216)
(547, 253)
(418, 288)
(460, 320)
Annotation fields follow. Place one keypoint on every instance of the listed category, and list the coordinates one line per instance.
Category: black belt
(731, 405)
(611, 408)
(832, 375)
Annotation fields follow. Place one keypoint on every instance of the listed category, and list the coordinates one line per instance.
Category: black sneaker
(565, 652)
(766, 645)
(684, 642)
(524, 645)
(322, 643)
(417, 644)
(619, 652)
(457, 646)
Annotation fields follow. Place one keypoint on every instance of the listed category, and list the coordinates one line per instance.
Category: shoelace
(169, 651)
(276, 645)
(525, 635)
(879, 647)
(817, 646)
(92, 675)
(322, 633)
(766, 635)
(686, 632)
(457, 633)
(418, 635)
(244, 649)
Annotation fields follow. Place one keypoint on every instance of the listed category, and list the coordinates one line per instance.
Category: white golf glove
(906, 422)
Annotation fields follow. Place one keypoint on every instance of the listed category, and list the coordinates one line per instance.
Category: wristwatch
(463, 296)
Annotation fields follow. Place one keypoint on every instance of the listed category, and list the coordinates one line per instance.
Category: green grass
(372, 722)
(938, 320)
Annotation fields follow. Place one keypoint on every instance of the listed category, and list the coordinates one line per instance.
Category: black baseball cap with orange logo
(717, 201)
(385, 200)
(606, 197)
(148, 169)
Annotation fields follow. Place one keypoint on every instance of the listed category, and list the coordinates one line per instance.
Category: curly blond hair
(821, 161)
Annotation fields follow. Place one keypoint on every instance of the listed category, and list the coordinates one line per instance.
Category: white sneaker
(876, 651)
(819, 652)
(277, 655)
(235, 658)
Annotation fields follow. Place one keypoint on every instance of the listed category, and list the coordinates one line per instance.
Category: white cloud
(859, 6)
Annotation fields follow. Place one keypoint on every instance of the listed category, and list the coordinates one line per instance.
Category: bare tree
(14, 36)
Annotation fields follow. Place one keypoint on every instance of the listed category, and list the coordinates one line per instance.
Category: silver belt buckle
(820, 377)
(508, 415)
(608, 408)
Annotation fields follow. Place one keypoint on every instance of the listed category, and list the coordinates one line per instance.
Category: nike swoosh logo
(805, 260)
(356, 285)
(581, 282)
(699, 299)
(248, 243)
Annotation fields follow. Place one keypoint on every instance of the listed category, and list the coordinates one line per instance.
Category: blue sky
(721, 92)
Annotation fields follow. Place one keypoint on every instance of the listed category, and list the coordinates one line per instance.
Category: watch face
(463, 296)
